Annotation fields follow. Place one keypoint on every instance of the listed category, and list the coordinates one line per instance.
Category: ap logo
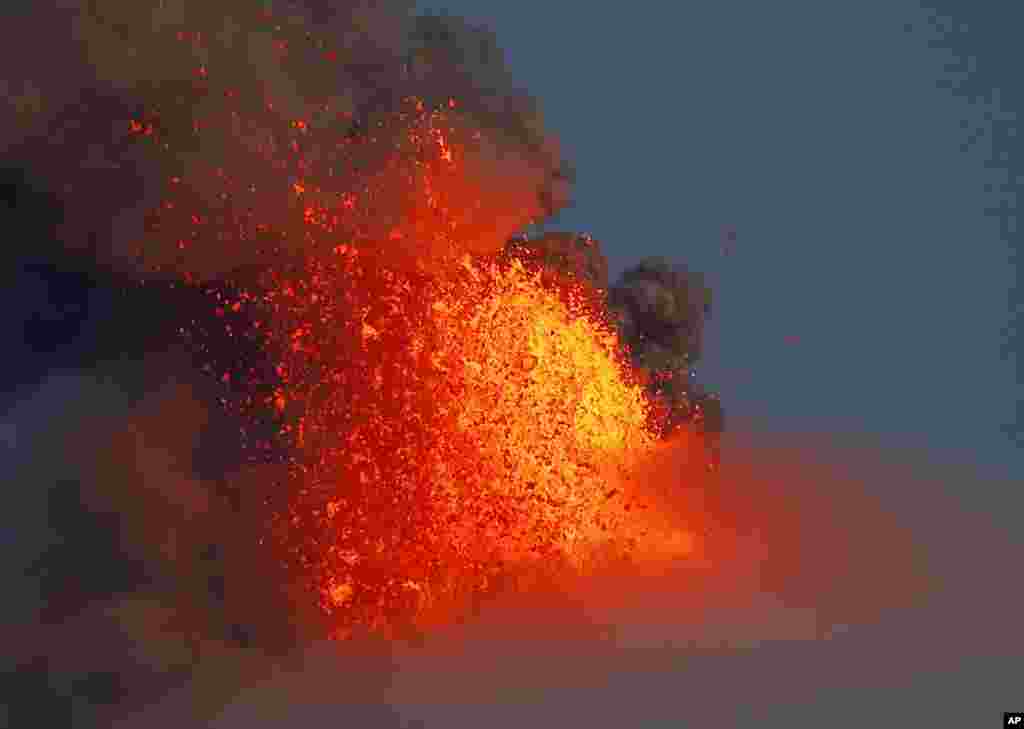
(1014, 719)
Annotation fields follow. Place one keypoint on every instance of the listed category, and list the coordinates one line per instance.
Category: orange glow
(453, 419)
(452, 431)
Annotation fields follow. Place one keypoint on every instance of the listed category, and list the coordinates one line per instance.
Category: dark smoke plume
(115, 74)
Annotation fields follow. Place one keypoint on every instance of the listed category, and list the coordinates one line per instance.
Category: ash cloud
(132, 568)
(339, 69)
(138, 564)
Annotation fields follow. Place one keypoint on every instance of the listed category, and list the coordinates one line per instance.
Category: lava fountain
(455, 421)
(450, 432)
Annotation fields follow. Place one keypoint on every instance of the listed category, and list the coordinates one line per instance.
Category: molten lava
(454, 419)
(451, 431)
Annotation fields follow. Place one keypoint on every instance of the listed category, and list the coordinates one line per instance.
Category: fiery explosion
(447, 429)
(455, 418)
(452, 429)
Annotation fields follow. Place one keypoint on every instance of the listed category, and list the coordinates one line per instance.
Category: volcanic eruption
(343, 421)
(435, 404)
(454, 418)
(325, 206)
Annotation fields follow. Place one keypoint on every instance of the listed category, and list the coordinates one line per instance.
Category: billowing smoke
(226, 91)
(183, 141)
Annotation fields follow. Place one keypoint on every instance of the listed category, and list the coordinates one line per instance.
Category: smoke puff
(129, 565)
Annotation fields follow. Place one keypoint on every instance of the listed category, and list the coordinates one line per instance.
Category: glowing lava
(450, 431)
(452, 420)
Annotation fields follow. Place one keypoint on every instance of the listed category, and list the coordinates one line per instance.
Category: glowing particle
(340, 593)
(370, 333)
